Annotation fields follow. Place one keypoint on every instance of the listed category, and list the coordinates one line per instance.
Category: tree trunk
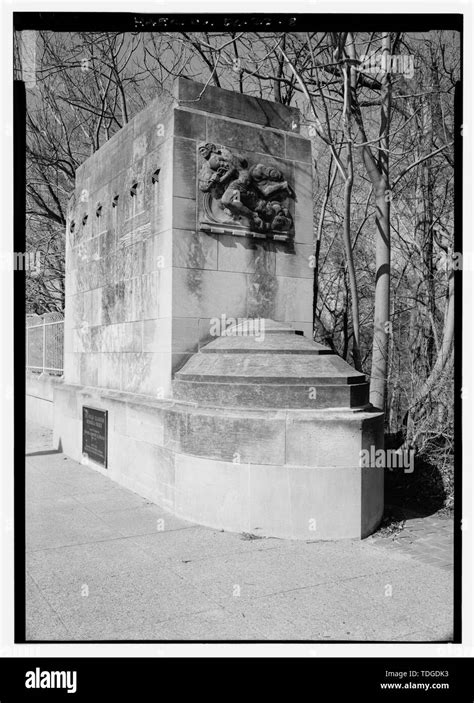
(354, 293)
(382, 324)
(378, 174)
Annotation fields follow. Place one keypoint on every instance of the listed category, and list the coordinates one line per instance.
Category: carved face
(207, 149)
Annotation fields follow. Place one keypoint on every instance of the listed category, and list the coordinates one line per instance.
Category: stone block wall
(298, 474)
(143, 282)
(224, 274)
(146, 280)
(118, 272)
(40, 397)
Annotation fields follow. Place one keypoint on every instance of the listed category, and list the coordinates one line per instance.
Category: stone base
(39, 398)
(278, 473)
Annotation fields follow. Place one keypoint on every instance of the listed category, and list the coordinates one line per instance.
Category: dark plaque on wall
(94, 435)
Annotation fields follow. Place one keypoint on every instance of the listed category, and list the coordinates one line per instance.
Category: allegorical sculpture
(251, 197)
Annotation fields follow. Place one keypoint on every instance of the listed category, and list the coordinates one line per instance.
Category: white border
(7, 648)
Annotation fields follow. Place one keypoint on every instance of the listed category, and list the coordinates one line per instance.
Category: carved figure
(255, 194)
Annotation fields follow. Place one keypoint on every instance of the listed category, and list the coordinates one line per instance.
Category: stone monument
(190, 375)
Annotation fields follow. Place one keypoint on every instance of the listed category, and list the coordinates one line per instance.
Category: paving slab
(143, 520)
(428, 539)
(63, 522)
(218, 624)
(105, 564)
(199, 543)
(42, 622)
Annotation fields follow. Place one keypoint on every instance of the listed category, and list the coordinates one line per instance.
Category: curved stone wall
(246, 463)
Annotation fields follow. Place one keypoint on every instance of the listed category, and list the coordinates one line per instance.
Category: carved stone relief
(243, 197)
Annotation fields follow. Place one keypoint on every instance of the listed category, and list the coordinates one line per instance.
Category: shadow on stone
(417, 493)
(45, 452)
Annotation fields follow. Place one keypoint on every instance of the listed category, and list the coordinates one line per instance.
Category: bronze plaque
(94, 435)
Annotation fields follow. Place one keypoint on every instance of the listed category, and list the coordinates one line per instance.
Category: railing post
(27, 347)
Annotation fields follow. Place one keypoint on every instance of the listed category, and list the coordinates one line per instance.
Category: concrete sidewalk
(105, 564)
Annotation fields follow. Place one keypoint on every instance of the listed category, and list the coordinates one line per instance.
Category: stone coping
(133, 399)
(230, 103)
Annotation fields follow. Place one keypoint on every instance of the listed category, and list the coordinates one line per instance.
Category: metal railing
(45, 343)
